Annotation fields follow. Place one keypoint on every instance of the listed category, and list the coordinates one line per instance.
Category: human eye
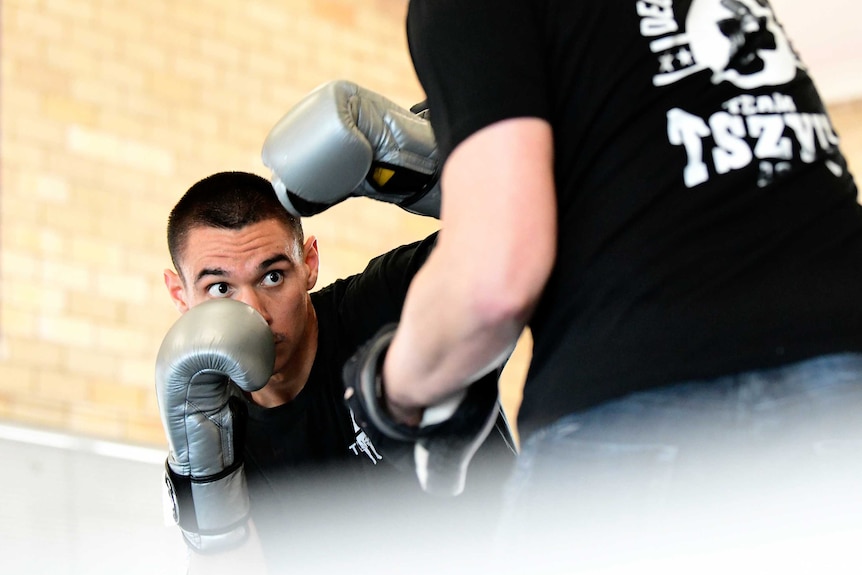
(272, 278)
(220, 289)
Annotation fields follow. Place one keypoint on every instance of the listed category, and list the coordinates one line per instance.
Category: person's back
(707, 220)
(707, 226)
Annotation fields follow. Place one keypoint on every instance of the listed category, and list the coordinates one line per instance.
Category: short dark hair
(226, 200)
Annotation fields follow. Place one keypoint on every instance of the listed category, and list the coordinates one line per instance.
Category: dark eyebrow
(267, 263)
(210, 272)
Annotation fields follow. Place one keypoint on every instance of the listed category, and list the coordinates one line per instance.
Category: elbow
(507, 290)
(508, 300)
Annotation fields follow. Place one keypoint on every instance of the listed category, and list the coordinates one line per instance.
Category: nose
(251, 298)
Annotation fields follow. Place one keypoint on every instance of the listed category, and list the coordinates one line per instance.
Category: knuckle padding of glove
(324, 116)
(342, 140)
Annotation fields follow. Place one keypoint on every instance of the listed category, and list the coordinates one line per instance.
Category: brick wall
(109, 110)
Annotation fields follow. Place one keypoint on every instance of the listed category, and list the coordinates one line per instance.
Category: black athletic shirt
(315, 485)
(707, 220)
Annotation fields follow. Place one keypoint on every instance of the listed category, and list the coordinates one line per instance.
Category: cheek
(289, 314)
(289, 324)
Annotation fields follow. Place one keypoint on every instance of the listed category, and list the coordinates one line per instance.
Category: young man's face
(261, 265)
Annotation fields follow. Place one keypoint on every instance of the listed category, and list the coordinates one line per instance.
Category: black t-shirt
(707, 220)
(315, 481)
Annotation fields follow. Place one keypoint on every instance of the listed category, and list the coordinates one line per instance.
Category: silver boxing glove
(212, 352)
(343, 141)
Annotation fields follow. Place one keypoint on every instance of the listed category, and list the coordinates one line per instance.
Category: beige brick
(846, 121)
(146, 56)
(155, 317)
(21, 234)
(172, 89)
(100, 41)
(148, 213)
(268, 15)
(59, 386)
(70, 219)
(122, 399)
(140, 372)
(25, 296)
(101, 200)
(16, 322)
(125, 287)
(5, 407)
(118, 230)
(24, 155)
(121, 341)
(189, 17)
(96, 421)
(42, 130)
(120, 151)
(41, 24)
(151, 263)
(249, 37)
(72, 331)
(65, 109)
(177, 38)
(122, 74)
(221, 54)
(18, 264)
(90, 363)
(77, 170)
(20, 45)
(69, 275)
(65, 58)
(36, 353)
(96, 91)
(91, 306)
(25, 100)
(149, 407)
(79, 11)
(16, 379)
(52, 243)
(120, 121)
(145, 430)
(39, 412)
(91, 251)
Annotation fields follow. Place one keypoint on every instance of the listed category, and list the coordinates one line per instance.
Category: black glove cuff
(421, 109)
(306, 208)
(369, 379)
(182, 500)
(180, 486)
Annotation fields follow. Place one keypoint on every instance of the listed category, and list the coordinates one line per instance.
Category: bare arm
(468, 305)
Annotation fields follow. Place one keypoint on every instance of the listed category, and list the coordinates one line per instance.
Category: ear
(312, 261)
(175, 289)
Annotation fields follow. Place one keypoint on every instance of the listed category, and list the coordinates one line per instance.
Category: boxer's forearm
(444, 340)
(467, 306)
